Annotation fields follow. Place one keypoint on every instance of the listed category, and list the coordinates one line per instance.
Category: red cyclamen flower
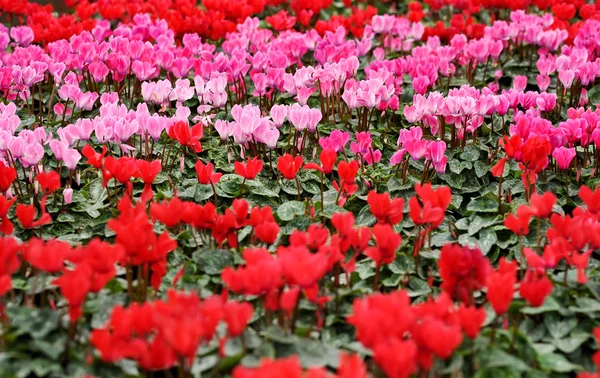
(289, 165)
(250, 169)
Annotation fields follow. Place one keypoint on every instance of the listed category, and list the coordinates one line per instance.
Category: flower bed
(299, 189)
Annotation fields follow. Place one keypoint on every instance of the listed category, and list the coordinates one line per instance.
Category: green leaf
(487, 239)
(557, 327)
(485, 204)
(203, 192)
(498, 358)
(42, 367)
(571, 343)
(457, 166)
(470, 153)
(418, 287)
(36, 322)
(532, 330)
(586, 305)
(212, 261)
(395, 185)
(65, 218)
(479, 222)
(453, 180)
(493, 372)
(549, 305)
(365, 218)
(264, 188)
(403, 264)
(594, 96)
(557, 362)
(230, 184)
(288, 210)
(391, 281)
(313, 353)
(481, 169)
(365, 269)
(94, 201)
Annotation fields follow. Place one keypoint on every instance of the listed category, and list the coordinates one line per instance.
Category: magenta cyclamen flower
(420, 84)
(336, 141)
(563, 157)
(520, 83)
(435, 152)
(397, 157)
(363, 148)
(23, 35)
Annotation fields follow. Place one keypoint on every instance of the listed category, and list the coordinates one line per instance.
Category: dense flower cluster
(238, 182)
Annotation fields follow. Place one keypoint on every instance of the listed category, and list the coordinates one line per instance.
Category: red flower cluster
(289, 165)
(94, 266)
(9, 262)
(159, 334)
(346, 187)
(384, 210)
(427, 210)
(463, 270)
(7, 176)
(351, 366)
(298, 266)
(143, 248)
(46, 25)
(459, 24)
(501, 285)
(595, 358)
(355, 22)
(123, 169)
(404, 337)
(532, 156)
(574, 237)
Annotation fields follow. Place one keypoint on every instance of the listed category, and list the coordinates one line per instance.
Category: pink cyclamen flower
(336, 141)
(435, 151)
(520, 83)
(32, 154)
(543, 82)
(564, 156)
(23, 35)
(303, 117)
(98, 70)
(420, 84)
(397, 157)
(363, 147)
(278, 114)
(566, 77)
(68, 195)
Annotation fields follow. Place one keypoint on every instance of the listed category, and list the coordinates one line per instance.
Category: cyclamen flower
(435, 152)
(248, 126)
(205, 173)
(157, 92)
(278, 114)
(501, 286)
(303, 117)
(535, 287)
(289, 165)
(463, 271)
(564, 156)
(22, 35)
(336, 141)
(363, 147)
